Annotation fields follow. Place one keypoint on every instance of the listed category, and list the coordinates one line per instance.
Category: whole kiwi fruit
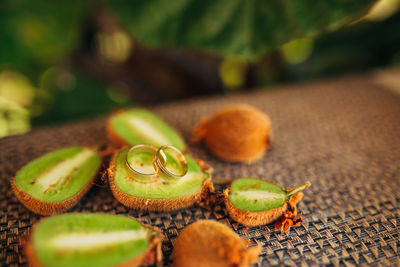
(239, 133)
(210, 243)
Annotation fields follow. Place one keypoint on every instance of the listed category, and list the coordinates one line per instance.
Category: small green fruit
(94, 240)
(252, 201)
(159, 194)
(56, 181)
(140, 126)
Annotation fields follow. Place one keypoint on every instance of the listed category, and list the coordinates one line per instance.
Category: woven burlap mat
(342, 135)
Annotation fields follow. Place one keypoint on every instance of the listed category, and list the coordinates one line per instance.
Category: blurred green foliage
(74, 94)
(245, 28)
(39, 40)
(39, 33)
(360, 46)
(16, 94)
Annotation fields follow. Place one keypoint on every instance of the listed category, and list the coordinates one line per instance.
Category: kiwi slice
(159, 194)
(140, 126)
(56, 181)
(92, 239)
(211, 243)
(253, 201)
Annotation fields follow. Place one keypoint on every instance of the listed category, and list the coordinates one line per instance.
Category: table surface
(341, 134)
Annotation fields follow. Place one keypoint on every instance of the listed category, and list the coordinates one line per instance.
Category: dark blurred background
(56, 72)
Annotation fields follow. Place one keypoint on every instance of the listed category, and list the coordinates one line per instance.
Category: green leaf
(89, 97)
(39, 32)
(247, 28)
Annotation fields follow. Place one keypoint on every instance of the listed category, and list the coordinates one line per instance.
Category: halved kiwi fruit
(56, 181)
(159, 194)
(92, 239)
(253, 201)
(212, 244)
(140, 126)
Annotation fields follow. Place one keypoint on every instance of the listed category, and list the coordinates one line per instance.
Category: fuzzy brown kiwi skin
(239, 133)
(153, 254)
(48, 208)
(250, 219)
(160, 204)
(210, 243)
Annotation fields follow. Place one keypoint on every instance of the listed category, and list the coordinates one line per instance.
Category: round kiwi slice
(253, 201)
(92, 239)
(212, 244)
(160, 194)
(140, 126)
(56, 181)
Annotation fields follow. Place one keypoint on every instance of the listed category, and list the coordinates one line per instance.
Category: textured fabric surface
(342, 135)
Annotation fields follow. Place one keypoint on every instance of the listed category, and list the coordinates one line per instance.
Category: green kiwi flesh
(160, 188)
(140, 126)
(255, 195)
(88, 240)
(58, 175)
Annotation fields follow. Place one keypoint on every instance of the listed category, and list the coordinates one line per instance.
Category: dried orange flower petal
(288, 219)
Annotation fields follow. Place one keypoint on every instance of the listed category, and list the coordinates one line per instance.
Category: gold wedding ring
(160, 162)
(141, 175)
(161, 166)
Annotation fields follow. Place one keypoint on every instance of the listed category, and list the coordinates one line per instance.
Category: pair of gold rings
(160, 163)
